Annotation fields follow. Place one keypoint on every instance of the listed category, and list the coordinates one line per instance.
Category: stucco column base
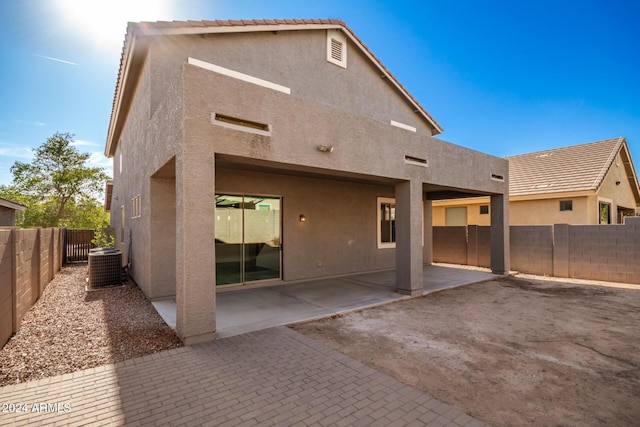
(197, 339)
(412, 293)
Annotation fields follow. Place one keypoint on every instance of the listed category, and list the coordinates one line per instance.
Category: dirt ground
(510, 352)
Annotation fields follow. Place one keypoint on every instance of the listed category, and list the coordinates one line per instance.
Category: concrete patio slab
(439, 276)
(247, 310)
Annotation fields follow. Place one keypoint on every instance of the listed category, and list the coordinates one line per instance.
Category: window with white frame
(136, 209)
(386, 223)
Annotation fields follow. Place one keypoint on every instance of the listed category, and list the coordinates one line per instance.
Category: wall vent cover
(337, 48)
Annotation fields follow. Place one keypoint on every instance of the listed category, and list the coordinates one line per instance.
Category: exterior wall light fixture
(303, 218)
(325, 148)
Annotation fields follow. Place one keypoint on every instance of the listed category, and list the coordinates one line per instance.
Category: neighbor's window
(122, 223)
(605, 213)
(386, 223)
(566, 205)
(484, 209)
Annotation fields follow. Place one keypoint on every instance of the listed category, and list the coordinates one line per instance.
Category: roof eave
(12, 205)
(551, 195)
(121, 86)
(631, 173)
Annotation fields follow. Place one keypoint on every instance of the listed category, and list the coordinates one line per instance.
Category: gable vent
(337, 48)
(241, 124)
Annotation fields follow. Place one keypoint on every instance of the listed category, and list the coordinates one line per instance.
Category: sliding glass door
(247, 238)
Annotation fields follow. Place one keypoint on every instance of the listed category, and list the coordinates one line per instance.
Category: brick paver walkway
(271, 377)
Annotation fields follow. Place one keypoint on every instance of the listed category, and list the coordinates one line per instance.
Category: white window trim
(381, 244)
(238, 75)
(613, 218)
(136, 206)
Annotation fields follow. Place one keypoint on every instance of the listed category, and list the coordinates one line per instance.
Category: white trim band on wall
(238, 75)
(403, 126)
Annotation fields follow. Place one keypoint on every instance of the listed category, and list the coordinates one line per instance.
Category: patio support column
(427, 224)
(500, 258)
(195, 236)
(409, 262)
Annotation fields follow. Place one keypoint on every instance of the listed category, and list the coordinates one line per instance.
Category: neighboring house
(592, 183)
(252, 152)
(8, 212)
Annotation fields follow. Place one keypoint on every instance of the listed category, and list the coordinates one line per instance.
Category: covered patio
(246, 310)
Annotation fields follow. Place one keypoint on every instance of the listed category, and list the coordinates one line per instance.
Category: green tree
(57, 187)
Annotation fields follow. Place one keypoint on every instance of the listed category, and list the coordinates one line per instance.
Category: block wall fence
(29, 259)
(595, 252)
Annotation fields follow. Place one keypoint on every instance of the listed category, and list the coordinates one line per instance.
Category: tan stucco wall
(547, 212)
(148, 142)
(340, 233)
(294, 59)
(473, 211)
(621, 194)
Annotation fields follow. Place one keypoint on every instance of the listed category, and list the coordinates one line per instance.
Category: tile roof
(575, 168)
(135, 29)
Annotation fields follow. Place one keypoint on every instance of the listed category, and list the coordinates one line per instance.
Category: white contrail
(58, 60)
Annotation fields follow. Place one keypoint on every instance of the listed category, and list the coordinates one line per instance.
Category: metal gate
(77, 244)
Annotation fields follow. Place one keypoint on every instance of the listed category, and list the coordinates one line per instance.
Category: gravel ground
(70, 329)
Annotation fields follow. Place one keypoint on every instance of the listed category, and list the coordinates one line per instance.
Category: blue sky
(502, 77)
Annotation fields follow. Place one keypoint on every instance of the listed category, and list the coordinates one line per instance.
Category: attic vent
(417, 161)
(496, 177)
(240, 124)
(337, 48)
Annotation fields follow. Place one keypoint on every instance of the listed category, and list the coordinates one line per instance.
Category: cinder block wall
(610, 253)
(532, 249)
(27, 287)
(6, 285)
(450, 245)
(595, 252)
(29, 260)
(484, 246)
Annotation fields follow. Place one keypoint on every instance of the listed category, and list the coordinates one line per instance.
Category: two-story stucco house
(270, 151)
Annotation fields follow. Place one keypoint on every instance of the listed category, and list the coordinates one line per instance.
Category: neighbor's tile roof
(575, 168)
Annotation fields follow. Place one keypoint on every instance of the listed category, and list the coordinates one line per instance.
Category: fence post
(561, 250)
(64, 246)
(14, 280)
(472, 245)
